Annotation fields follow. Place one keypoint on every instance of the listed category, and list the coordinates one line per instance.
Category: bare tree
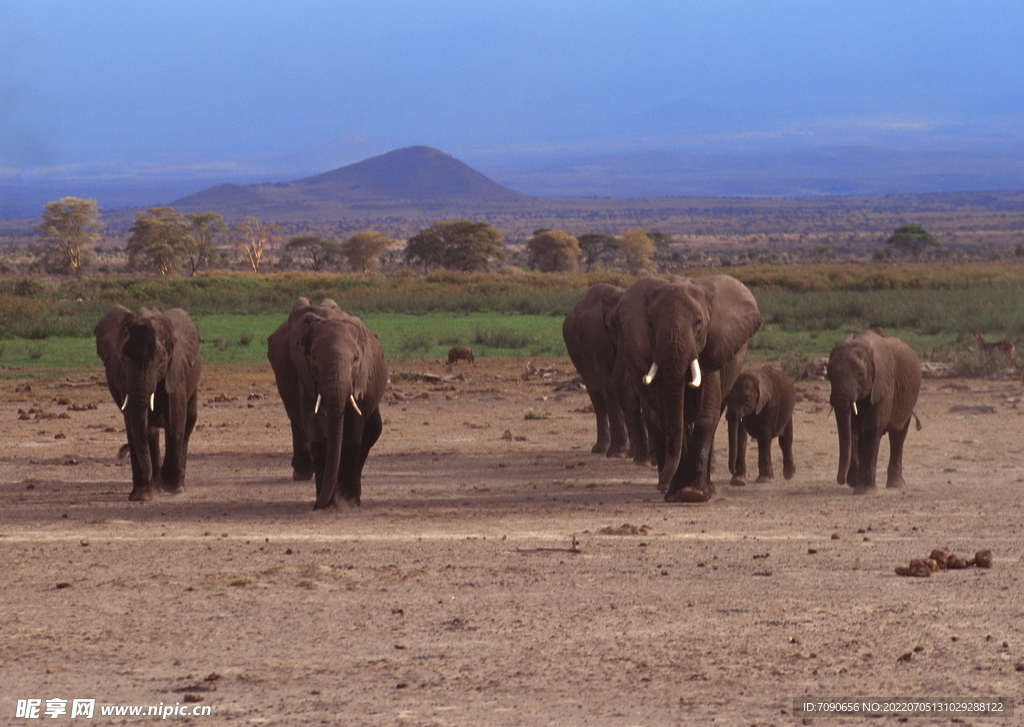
(199, 247)
(69, 226)
(255, 238)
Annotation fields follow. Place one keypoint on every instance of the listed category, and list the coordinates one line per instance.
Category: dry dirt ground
(497, 572)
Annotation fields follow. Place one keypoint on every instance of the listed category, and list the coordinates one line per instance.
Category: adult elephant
(875, 382)
(681, 344)
(331, 375)
(587, 332)
(760, 404)
(153, 366)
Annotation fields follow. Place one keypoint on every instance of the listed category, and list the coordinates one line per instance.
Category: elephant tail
(917, 419)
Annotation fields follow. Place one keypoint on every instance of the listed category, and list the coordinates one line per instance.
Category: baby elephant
(761, 405)
(460, 353)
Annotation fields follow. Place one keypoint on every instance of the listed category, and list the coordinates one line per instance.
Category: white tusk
(354, 405)
(151, 398)
(316, 408)
(651, 374)
(125, 404)
(695, 371)
(855, 412)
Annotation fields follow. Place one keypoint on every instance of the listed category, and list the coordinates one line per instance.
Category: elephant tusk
(152, 397)
(651, 374)
(695, 370)
(855, 412)
(316, 408)
(125, 404)
(354, 405)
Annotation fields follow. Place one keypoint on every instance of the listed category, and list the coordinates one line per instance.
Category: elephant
(331, 375)
(875, 382)
(760, 404)
(681, 345)
(153, 367)
(587, 332)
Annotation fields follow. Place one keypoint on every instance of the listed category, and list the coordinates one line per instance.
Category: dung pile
(942, 559)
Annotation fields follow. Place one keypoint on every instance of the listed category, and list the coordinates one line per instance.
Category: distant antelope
(1004, 347)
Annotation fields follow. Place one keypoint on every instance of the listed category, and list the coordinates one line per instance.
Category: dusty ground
(455, 594)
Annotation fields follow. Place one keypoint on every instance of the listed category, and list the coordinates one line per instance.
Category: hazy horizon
(133, 97)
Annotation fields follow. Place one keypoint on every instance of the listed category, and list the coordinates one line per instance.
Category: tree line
(163, 241)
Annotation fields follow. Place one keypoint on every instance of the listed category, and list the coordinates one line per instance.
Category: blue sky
(221, 90)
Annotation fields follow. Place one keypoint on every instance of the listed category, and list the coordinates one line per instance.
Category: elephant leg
(739, 476)
(318, 456)
(600, 404)
(142, 472)
(172, 472)
(894, 476)
(786, 444)
(867, 460)
(618, 445)
(692, 480)
(302, 459)
(357, 440)
(765, 471)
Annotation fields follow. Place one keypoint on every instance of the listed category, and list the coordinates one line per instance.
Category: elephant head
(341, 374)
(680, 335)
(152, 367)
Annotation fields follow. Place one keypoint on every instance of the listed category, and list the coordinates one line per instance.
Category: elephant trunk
(674, 429)
(845, 425)
(334, 394)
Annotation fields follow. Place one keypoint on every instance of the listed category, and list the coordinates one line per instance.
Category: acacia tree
(320, 251)
(912, 240)
(363, 250)
(199, 247)
(456, 245)
(255, 238)
(554, 251)
(158, 240)
(639, 249)
(596, 247)
(69, 226)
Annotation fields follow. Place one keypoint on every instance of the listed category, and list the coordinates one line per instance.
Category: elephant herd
(661, 361)
(330, 373)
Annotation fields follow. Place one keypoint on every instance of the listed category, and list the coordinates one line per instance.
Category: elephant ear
(182, 340)
(733, 319)
(765, 392)
(109, 337)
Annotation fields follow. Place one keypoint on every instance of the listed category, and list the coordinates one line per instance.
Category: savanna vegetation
(937, 308)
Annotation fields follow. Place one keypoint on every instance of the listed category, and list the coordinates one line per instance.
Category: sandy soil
(498, 573)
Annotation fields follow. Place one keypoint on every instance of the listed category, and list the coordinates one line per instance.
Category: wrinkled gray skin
(152, 356)
(322, 352)
(671, 324)
(760, 404)
(882, 375)
(587, 332)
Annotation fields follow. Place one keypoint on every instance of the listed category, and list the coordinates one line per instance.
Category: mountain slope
(416, 174)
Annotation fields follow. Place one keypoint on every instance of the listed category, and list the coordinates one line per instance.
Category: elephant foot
(788, 472)
(862, 489)
(173, 486)
(302, 475)
(142, 494)
(738, 481)
(619, 452)
(762, 479)
(895, 483)
(599, 448)
(688, 494)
